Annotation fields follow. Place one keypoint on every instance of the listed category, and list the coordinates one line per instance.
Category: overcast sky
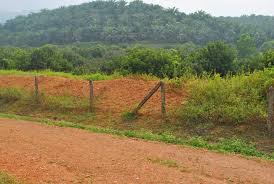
(214, 7)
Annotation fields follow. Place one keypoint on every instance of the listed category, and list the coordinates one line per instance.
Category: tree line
(215, 57)
(121, 22)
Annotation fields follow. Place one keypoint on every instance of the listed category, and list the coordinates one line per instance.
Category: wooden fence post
(36, 85)
(91, 95)
(163, 99)
(270, 120)
(150, 94)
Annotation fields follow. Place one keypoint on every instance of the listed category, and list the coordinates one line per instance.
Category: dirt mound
(113, 96)
(44, 154)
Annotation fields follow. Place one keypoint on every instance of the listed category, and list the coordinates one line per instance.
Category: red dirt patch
(115, 96)
(45, 154)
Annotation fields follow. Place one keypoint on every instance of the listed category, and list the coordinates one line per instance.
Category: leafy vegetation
(119, 21)
(235, 99)
(215, 57)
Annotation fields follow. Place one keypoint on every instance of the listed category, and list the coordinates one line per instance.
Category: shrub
(10, 95)
(235, 99)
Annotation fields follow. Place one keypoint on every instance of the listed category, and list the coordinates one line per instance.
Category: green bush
(10, 95)
(235, 99)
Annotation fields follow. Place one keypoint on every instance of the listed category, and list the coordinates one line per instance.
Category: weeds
(129, 116)
(93, 76)
(10, 95)
(7, 179)
(167, 163)
(232, 100)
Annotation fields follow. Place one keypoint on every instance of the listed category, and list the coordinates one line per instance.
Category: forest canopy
(121, 22)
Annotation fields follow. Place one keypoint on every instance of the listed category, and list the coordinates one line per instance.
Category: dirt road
(46, 154)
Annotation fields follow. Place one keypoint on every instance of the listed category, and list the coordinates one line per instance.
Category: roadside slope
(113, 96)
(45, 154)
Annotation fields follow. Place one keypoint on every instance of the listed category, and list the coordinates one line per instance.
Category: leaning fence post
(270, 120)
(36, 88)
(91, 94)
(147, 97)
(163, 99)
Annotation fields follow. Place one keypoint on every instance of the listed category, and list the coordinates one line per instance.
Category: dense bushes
(234, 99)
(158, 62)
(215, 57)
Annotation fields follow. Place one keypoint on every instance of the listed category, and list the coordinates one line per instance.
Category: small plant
(164, 162)
(129, 116)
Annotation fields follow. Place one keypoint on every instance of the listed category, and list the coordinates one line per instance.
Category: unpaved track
(47, 154)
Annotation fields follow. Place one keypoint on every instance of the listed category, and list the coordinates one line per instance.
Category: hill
(4, 16)
(122, 22)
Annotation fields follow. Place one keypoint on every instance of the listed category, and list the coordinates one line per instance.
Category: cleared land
(45, 154)
(113, 96)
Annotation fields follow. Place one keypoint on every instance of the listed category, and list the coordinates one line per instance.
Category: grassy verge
(91, 76)
(232, 145)
(7, 179)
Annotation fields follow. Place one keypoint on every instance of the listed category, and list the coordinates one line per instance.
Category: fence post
(163, 99)
(147, 97)
(36, 86)
(91, 95)
(270, 120)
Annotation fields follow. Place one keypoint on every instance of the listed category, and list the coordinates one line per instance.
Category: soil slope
(46, 154)
(113, 96)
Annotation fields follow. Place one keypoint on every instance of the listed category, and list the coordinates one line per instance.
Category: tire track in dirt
(47, 154)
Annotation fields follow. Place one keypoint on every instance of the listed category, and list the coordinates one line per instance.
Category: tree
(267, 46)
(246, 46)
(159, 62)
(48, 57)
(214, 57)
(268, 58)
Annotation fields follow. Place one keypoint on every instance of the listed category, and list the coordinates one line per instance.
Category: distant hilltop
(122, 22)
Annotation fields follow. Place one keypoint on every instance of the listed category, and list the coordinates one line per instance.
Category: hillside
(121, 22)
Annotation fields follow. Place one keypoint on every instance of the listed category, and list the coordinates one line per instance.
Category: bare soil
(45, 154)
(114, 96)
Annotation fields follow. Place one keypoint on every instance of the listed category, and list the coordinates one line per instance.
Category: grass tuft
(7, 179)
(167, 163)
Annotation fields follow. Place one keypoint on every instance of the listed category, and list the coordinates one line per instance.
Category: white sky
(214, 7)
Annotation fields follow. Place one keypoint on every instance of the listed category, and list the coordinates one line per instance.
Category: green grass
(22, 101)
(232, 145)
(7, 179)
(92, 76)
